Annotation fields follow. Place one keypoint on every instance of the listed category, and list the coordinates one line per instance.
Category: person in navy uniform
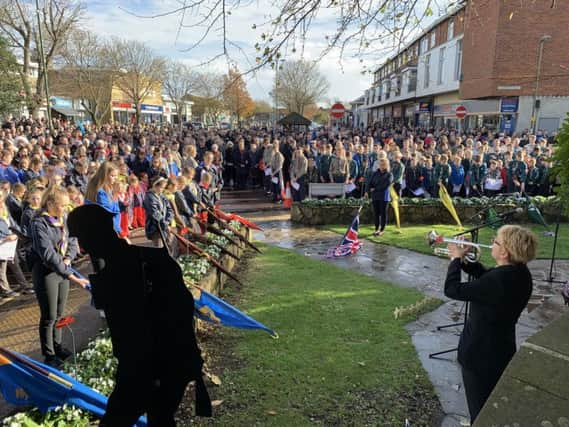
(497, 297)
(150, 315)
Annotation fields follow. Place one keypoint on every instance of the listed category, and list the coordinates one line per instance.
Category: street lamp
(276, 118)
(535, 107)
(44, 66)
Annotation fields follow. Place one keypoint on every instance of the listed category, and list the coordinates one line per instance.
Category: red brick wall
(501, 47)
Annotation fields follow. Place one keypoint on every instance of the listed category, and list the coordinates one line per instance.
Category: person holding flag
(378, 189)
(50, 259)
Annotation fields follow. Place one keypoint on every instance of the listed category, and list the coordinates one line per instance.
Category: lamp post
(276, 117)
(535, 107)
(44, 66)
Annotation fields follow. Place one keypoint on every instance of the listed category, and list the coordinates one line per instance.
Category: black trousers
(134, 396)
(380, 214)
(51, 292)
(478, 388)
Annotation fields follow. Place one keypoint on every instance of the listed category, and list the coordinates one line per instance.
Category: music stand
(474, 233)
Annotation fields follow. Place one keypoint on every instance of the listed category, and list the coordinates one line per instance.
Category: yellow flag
(395, 205)
(447, 202)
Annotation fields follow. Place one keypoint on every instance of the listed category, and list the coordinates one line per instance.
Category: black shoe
(53, 361)
(62, 353)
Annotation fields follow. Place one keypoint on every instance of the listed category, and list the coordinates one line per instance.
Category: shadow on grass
(342, 357)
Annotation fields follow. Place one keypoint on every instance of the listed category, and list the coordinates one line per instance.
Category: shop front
(151, 113)
(409, 114)
(123, 112)
(63, 108)
(509, 114)
(397, 114)
(479, 113)
(424, 113)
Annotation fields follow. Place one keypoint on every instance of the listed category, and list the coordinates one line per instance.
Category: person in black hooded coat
(150, 314)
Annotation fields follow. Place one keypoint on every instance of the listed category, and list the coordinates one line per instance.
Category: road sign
(337, 111)
(460, 112)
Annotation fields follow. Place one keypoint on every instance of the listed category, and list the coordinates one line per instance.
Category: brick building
(506, 62)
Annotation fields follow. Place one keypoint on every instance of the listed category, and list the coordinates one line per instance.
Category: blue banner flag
(213, 309)
(25, 382)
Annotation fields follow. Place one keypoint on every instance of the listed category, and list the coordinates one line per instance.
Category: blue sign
(158, 109)
(509, 105)
(60, 102)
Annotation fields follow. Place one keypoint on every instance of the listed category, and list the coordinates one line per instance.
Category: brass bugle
(473, 255)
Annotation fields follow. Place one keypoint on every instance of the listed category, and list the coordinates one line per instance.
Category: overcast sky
(115, 18)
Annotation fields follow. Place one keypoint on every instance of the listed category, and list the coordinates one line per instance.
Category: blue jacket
(8, 173)
(456, 174)
(111, 205)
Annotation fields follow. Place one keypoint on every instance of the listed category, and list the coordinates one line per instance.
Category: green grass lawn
(341, 359)
(413, 237)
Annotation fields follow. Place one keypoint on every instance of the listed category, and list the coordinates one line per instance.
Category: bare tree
(210, 96)
(179, 83)
(19, 24)
(363, 27)
(139, 70)
(87, 73)
(300, 84)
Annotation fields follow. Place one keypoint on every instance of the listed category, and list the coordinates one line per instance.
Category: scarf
(56, 222)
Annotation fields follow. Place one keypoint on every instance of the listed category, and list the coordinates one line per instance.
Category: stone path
(425, 273)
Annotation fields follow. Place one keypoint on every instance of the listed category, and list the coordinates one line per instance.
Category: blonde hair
(98, 180)
(386, 162)
(53, 194)
(519, 242)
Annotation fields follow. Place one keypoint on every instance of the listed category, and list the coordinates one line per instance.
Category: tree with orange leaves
(236, 96)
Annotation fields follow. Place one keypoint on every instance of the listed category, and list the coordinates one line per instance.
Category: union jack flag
(350, 243)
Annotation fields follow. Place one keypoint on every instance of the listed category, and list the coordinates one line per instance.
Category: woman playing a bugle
(497, 297)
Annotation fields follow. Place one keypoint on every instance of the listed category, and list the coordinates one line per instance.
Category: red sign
(337, 111)
(460, 111)
(118, 104)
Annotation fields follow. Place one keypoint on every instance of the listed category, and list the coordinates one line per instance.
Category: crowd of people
(160, 177)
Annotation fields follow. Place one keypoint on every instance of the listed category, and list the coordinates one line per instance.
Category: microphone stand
(474, 236)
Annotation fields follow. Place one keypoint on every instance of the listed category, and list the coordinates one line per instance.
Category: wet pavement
(425, 273)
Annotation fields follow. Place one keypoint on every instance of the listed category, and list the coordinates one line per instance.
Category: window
(427, 70)
(441, 65)
(424, 45)
(458, 59)
(450, 33)
(412, 81)
(433, 39)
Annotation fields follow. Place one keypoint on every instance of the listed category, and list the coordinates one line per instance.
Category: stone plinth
(533, 388)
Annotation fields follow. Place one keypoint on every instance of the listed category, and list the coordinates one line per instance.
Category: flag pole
(350, 226)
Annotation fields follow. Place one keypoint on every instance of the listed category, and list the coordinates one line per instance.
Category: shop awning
(68, 112)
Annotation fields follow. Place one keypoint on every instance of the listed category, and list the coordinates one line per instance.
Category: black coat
(497, 298)
(378, 185)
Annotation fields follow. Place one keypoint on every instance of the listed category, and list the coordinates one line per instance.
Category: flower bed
(96, 365)
(417, 210)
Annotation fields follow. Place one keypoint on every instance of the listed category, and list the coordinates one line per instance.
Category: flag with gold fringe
(395, 206)
(447, 202)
